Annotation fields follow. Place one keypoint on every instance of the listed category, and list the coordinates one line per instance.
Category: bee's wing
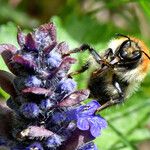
(101, 71)
(105, 68)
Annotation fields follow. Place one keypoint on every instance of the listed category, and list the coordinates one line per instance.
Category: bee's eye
(123, 53)
(127, 44)
(127, 55)
(130, 57)
(136, 55)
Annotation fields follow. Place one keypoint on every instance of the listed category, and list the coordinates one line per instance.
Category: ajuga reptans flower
(45, 107)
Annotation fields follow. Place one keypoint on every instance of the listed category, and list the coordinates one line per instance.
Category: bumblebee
(118, 72)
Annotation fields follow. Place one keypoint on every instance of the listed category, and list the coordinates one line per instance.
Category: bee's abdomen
(102, 88)
(98, 89)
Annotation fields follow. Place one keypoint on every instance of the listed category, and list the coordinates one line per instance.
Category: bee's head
(129, 50)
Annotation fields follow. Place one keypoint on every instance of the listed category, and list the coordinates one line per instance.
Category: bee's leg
(109, 52)
(109, 103)
(83, 69)
(92, 51)
(112, 102)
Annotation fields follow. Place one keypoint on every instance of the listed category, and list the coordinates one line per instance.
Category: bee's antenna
(146, 54)
(119, 34)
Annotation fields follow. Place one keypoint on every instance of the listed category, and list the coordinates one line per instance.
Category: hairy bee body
(117, 73)
(127, 73)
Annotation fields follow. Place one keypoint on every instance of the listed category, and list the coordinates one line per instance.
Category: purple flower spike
(30, 110)
(35, 146)
(44, 111)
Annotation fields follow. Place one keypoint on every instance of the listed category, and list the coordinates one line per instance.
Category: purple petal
(8, 47)
(54, 59)
(45, 35)
(63, 48)
(32, 81)
(35, 146)
(20, 38)
(78, 139)
(24, 61)
(30, 43)
(55, 56)
(36, 90)
(94, 127)
(50, 47)
(71, 115)
(88, 146)
(58, 117)
(83, 123)
(46, 104)
(35, 132)
(90, 108)
(65, 66)
(74, 98)
(30, 110)
(93, 105)
(101, 121)
(50, 29)
(66, 86)
(54, 141)
(7, 51)
(6, 83)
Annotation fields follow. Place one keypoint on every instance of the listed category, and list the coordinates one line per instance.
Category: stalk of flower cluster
(45, 106)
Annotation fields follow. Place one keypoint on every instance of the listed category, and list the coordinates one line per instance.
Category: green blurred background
(94, 22)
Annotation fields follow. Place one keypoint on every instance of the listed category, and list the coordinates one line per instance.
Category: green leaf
(7, 35)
